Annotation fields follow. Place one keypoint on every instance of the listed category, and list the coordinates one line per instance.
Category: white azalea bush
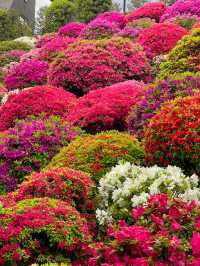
(127, 186)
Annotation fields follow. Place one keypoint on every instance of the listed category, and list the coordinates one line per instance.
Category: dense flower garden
(100, 141)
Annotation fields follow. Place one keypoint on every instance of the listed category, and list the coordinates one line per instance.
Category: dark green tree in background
(12, 25)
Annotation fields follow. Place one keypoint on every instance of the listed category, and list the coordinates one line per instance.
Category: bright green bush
(184, 57)
(6, 46)
(97, 154)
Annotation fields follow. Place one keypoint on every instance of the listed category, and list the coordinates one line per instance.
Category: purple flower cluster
(155, 96)
(29, 146)
(129, 32)
(72, 29)
(113, 16)
(182, 7)
(26, 74)
(99, 29)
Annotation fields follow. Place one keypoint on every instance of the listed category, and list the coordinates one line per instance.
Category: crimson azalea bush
(88, 65)
(172, 136)
(106, 108)
(156, 95)
(184, 56)
(99, 29)
(72, 186)
(160, 38)
(150, 10)
(46, 100)
(97, 154)
(41, 230)
(113, 16)
(26, 74)
(51, 49)
(72, 29)
(182, 7)
(165, 232)
(29, 146)
(42, 40)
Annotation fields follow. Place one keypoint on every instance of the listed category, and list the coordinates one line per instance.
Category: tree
(40, 20)
(12, 25)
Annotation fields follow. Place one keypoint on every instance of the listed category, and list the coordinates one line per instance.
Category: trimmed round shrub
(6, 46)
(150, 10)
(157, 94)
(35, 101)
(99, 29)
(184, 57)
(29, 146)
(72, 29)
(182, 7)
(106, 108)
(51, 49)
(165, 232)
(41, 230)
(172, 136)
(26, 74)
(64, 184)
(11, 56)
(185, 21)
(127, 186)
(44, 39)
(89, 65)
(160, 38)
(97, 154)
(113, 16)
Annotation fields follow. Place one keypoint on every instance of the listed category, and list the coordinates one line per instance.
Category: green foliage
(59, 13)
(184, 57)
(12, 26)
(6, 46)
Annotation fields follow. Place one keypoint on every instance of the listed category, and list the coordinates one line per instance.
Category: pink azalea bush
(129, 32)
(160, 38)
(113, 16)
(106, 108)
(150, 10)
(41, 40)
(89, 65)
(26, 74)
(72, 29)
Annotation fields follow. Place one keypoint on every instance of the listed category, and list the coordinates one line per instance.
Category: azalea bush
(96, 154)
(74, 187)
(165, 232)
(11, 56)
(127, 186)
(45, 100)
(160, 38)
(106, 108)
(129, 32)
(26, 74)
(172, 136)
(113, 16)
(88, 65)
(29, 147)
(141, 23)
(44, 39)
(156, 95)
(72, 29)
(184, 56)
(182, 7)
(150, 10)
(185, 21)
(41, 230)
(99, 29)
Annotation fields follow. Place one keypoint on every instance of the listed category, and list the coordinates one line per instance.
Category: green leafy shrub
(6, 46)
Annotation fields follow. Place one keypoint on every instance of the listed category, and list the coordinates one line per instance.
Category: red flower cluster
(173, 135)
(160, 38)
(88, 65)
(151, 10)
(35, 101)
(106, 108)
(64, 184)
(40, 227)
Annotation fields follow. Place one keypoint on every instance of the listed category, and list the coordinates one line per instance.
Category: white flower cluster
(27, 39)
(127, 186)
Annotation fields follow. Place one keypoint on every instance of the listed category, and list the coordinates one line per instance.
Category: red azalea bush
(89, 65)
(173, 137)
(106, 108)
(41, 230)
(113, 16)
(42, 40)
(150, 10)
(165, 232)
(72, 29)
(160, 38)
(51, 49)
(64, 184)
(26, 74)
(46, 100)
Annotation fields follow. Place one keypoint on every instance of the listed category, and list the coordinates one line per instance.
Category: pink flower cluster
(41, 40)
(72, 29)
(113, 16)
(106, 108)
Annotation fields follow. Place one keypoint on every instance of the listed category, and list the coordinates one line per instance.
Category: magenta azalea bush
(113, 16)
(42, 40)
(72, 29)
(26, 74)
(129, 32)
